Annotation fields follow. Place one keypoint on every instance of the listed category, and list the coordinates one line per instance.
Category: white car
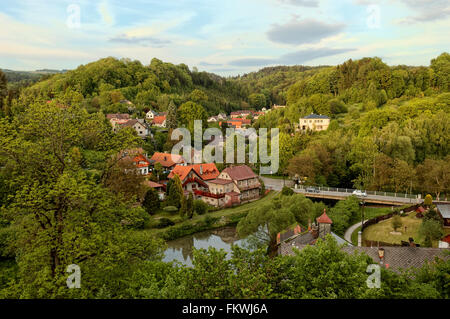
(358, 192)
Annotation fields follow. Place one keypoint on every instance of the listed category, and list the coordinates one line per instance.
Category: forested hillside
(389, 127)
(101, 85)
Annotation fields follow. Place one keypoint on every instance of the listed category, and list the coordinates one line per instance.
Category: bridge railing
(350, 191)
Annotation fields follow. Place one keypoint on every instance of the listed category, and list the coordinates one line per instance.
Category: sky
(227, 37)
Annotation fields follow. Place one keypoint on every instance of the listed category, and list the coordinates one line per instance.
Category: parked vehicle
(312, 190)
(359, 192)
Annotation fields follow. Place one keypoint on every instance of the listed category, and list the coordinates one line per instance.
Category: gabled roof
(159, 119)
(118, 116)
(167, 159)
(444, 210)
(206, 172)
(315, 116)
(141, 161)
(153, 184)
(240, 172)
(130, 123)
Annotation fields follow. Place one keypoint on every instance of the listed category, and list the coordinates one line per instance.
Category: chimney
(201, 169)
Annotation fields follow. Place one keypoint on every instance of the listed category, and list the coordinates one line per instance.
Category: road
(350, 230)
(339, 194)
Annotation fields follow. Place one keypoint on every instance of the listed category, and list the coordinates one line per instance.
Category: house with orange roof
(194, 177)
(167, 160)
(238, 123)
(139, 159)
(159, 121)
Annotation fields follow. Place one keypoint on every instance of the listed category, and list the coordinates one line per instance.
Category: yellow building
(314, 122)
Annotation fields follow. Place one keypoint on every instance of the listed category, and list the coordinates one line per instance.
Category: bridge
(374, 197)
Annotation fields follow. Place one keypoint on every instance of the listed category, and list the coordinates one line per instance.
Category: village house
(212, 119)
(237, 123)
(167, 160)
(159, 121)
(160, 188)
(193, 177)
(139, 159)
(257, 114)
(275, 107)
(246, 182)
(314, 122)
(240, 114)
(150, 115)
(118, 118)
(138, 125)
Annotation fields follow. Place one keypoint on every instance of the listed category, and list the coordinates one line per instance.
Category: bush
(170, 209)
(200, 207)
(396, 222)
(428, 200)
(164, 222)
(151, 201)
(287, 191)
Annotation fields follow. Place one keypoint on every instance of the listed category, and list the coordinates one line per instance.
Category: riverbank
(209, 221)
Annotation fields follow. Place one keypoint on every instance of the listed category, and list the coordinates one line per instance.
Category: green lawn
(381, 231)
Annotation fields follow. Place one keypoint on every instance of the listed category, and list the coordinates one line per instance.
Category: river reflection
(221, 238)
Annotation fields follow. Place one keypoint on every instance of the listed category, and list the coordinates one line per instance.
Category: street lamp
(362, 202)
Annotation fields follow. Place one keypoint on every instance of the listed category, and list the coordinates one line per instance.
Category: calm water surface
(221, 238)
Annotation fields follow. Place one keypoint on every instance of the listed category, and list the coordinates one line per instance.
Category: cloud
(297, 57)
(203, 63)
(252, 62)
(143, 41)
(428, 10)
(301, 3)
(305, 31)
(305, 55)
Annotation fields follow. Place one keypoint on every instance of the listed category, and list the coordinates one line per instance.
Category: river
(181, 249)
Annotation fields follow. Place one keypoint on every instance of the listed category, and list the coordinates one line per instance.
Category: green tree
(190, 205)
(190, 111)
(430, 230)
(175, 192)
(265, 222)
(151, 201)
(172, 116)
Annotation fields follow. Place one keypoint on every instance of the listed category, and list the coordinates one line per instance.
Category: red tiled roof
(240, 172)
(167, 159)
(159, 119)
(209, 171)
(153, 184)
(324, 219)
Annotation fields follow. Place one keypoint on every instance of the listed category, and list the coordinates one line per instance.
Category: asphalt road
(277, 184)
